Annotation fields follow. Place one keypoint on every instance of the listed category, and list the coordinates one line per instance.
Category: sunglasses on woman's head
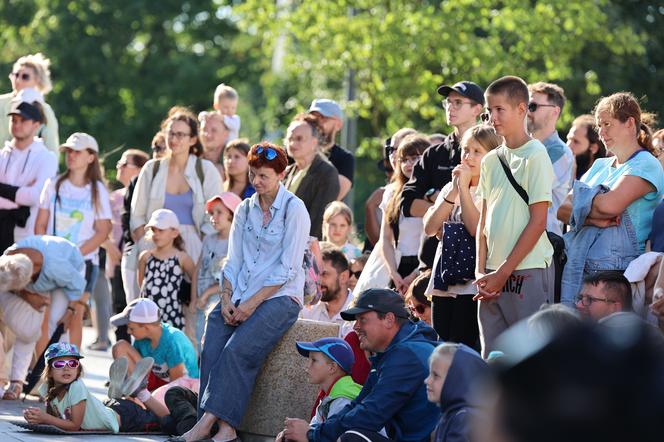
(267, 152)
(71, 363)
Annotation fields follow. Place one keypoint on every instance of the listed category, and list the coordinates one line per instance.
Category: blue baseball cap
(60, 349)
(327, 108)
(334, 348)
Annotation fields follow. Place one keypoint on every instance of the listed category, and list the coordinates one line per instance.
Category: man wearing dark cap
(25, 165)
(392, 404)
(463, 105)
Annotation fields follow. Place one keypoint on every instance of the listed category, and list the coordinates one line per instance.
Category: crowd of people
(208, 250)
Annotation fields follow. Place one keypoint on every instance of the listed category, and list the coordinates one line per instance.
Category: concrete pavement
(95, 374)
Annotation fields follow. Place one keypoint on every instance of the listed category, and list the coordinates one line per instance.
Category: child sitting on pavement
(330, 364)
(175, 361)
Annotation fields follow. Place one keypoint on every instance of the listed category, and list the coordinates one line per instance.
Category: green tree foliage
(118, 66)
(401, 50)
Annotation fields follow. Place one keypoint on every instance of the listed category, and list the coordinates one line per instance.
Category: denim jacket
(592, 249)
(269, 255)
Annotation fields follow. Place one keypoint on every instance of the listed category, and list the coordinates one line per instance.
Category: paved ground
(95, 374)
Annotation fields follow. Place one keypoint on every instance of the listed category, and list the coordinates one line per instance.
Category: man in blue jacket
(393, 402)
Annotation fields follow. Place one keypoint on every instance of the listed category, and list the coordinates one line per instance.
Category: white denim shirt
(150, 193)
(260, 256)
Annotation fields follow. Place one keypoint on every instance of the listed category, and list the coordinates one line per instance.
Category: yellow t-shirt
(506, 212)
(297, 179)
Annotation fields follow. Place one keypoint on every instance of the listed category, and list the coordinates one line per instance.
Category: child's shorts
(133, 418)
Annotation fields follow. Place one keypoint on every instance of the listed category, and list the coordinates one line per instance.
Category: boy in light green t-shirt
(514, 256)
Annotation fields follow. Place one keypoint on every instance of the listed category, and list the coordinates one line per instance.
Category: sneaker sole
(117, 374)
(134, 380)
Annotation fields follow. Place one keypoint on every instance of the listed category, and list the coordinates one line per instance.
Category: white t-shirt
(74, 215)
(411, 229)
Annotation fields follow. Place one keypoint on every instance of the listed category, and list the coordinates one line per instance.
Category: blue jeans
(232, 356)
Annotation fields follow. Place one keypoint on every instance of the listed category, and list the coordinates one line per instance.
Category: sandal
(13, 392)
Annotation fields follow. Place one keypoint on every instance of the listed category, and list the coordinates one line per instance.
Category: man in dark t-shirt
(331, 119)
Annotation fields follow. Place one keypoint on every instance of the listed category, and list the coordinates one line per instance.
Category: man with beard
(585, 143)
(544, 109)
(336, 296)
(25, 165)
(214, 135)
(331, 120)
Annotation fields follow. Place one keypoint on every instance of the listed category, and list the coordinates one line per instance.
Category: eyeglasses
(23, 76)
(121, 164)
(454, 104)
(157, 148)
(587, 300)
(267, 152)
(356, 274)
(178, 135)
(419, 308)
(60, 364)
(532, 106)
(411, 160)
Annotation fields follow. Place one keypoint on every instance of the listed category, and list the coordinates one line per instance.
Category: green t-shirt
(506, 212)
(97, 416)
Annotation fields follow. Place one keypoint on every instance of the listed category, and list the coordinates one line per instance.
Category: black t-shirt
(343, 160)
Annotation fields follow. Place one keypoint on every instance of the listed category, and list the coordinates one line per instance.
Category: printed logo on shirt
(69, 217)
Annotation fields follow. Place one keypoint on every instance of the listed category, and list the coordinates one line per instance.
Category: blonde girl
(76, 206)
(454, 313)
(161, 269)
(338, 228)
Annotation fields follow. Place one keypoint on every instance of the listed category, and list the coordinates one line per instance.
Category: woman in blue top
(42, 271)
(263, 282)
(633, 174)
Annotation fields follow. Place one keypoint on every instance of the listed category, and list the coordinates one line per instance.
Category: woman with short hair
(261, 297)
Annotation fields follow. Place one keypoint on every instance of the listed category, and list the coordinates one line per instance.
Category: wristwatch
(428, 194)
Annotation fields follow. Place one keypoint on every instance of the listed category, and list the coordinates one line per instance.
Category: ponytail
(645, 138)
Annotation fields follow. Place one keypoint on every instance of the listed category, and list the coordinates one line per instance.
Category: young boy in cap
(331, 119)
(393, 398)
(173, 353)
(330, 364)
(221, 209)
(514, 256)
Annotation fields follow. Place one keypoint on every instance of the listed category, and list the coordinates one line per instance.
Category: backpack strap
(199, 170)
(155, 169)
(520, 190)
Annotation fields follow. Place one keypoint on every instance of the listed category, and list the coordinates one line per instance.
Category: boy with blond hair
(514, 256)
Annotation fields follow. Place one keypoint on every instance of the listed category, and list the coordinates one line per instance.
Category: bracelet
(448, 201)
